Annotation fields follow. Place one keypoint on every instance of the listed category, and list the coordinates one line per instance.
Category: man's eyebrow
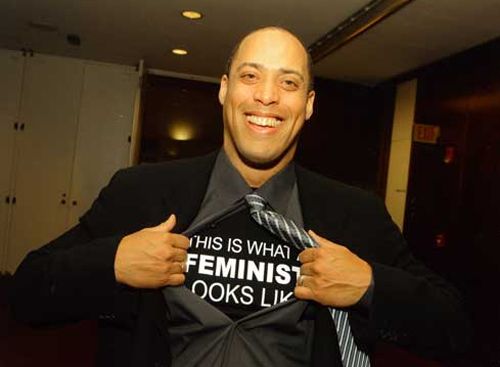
(251, 64)
(260, 67)
(291, 71)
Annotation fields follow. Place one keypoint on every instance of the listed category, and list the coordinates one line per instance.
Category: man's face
(265, 99)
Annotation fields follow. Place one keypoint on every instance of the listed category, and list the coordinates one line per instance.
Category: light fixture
(191, 14)
(362, 20)
(179, 51)
(181, 130)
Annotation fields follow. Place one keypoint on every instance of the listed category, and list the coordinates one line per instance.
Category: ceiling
(125, 31)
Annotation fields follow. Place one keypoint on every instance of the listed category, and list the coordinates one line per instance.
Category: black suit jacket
(72, 278)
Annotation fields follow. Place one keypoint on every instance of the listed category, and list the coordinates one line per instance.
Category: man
(114, 263)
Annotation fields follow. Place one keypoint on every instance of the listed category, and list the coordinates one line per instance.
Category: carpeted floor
(22, 346)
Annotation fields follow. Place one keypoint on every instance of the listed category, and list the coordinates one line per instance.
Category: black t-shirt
(240, 267)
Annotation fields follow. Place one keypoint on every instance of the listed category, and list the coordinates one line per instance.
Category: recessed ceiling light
(191, 14)
(179, 51)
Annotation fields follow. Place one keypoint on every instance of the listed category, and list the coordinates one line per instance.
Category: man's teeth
(263, 121)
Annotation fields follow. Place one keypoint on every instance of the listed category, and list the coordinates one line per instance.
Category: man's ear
(223, 89)
(310, 104)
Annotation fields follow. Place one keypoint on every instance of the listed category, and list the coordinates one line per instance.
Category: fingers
(176, 279)
(308, 269)
(307, 255)
(176, 255)
(178, 267)
(178, 241)
(172, 274)
(177, 276)
(300, 280)
(302, 291)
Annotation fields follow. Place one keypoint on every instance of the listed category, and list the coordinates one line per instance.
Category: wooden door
(45, 152)
(432, 204)
(480, 230)
(453, 208)
(11, 73)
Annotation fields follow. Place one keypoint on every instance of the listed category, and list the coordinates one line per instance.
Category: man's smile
(263, 120)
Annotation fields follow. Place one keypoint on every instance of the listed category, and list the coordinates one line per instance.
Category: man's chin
(262, 161)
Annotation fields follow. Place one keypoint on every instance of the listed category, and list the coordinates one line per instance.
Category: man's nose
(267, 92)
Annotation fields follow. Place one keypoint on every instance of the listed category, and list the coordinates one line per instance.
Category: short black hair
(235, 49)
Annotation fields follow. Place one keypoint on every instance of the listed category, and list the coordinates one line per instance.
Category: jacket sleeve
(72, 277)
(411, 306)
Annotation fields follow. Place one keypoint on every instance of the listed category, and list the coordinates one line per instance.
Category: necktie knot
(255, 202)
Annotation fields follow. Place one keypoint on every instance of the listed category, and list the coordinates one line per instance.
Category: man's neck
(256, 176)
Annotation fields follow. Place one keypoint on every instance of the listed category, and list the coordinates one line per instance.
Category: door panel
(105, 124)
(49, 110)
(11, 74)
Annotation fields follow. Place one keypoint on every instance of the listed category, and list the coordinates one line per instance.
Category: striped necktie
(288, 231)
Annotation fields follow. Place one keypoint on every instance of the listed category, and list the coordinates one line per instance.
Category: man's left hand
(332, 275)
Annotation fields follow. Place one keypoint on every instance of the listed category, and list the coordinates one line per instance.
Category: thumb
(166, 226)
(317, 238)
(322, 241)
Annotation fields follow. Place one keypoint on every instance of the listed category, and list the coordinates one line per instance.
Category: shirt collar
(278, 189)
(226, 186)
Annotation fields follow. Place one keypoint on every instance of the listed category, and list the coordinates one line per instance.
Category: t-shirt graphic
(240, 267)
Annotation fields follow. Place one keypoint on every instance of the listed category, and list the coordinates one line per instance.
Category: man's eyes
(287, 83)
(290, 84)
(248, 76)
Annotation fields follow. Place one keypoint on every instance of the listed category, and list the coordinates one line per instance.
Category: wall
(347, 138)
(453, 216)
(178, 106)
(399, 159)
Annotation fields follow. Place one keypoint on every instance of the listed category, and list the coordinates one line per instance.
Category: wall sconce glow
(179, 51)
(181, 130)
(191, 14)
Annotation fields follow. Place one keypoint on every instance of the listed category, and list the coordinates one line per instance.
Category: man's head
(235, 49)
(266, 98)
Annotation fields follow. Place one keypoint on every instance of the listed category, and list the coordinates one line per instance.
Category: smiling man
(230, 278)
(266, 99)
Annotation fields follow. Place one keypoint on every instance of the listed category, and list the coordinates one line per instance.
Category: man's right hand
(152, 258)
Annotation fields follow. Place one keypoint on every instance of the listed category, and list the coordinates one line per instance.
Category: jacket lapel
(320, 210)
(185, 195)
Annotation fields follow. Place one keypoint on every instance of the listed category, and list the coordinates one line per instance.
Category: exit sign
(425, 133)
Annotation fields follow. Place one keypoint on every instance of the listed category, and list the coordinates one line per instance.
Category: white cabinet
(11, 76)
(44, 152)
(74, 121)
(104, 131)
